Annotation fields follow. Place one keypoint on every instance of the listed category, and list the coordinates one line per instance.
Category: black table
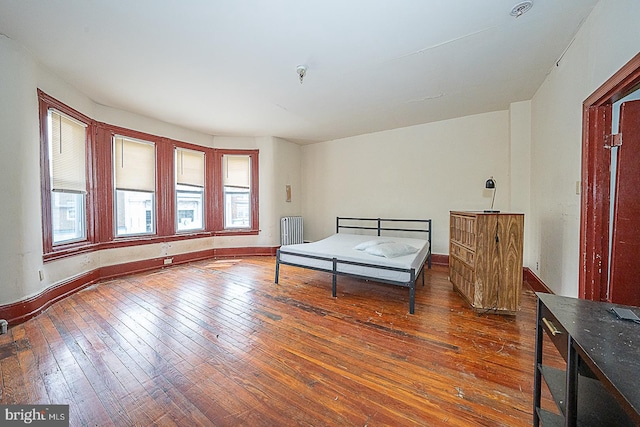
(601, 383)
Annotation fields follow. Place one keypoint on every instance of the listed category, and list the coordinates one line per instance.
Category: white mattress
(341, 246)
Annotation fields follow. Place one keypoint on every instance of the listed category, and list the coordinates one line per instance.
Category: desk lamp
(491, 185)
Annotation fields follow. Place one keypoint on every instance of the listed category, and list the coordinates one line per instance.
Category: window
(236, 179)
(238, 192)
(134, 170)
(189, 172)
(67, 140)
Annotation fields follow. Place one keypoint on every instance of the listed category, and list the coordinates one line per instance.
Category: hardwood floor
(218, 343)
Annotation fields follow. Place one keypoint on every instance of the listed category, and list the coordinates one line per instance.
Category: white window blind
(236, 170)
(134, 164)
(189, 167)
(67, 153)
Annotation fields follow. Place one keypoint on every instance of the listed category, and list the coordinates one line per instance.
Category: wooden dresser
(485, 259)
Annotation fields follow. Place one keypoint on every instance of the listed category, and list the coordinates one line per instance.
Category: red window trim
(219, 196)
(45, 103)
(100, 225)
(208, 189)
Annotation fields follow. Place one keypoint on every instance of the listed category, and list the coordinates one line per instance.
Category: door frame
(596, 162)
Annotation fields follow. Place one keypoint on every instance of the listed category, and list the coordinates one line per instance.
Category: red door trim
(594, 210)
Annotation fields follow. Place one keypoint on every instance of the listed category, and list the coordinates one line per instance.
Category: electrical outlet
(537, 266)
(168, 261)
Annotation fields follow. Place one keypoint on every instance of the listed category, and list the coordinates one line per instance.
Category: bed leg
(412, 298)
(277, 266)
(412, 291)
(334, 285)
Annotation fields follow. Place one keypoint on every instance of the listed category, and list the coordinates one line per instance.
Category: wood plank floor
(218, 343)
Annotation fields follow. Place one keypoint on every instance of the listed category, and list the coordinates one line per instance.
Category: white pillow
(369, 243)
(391, 250)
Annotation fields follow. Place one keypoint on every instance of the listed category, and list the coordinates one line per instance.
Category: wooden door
(624, 285)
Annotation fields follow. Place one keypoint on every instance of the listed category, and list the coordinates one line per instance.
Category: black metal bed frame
(411, 284)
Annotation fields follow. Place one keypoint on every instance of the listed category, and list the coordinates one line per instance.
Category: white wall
(608, 39)
(132, 121)
(520, 169)
(287, 171)
(21, 228)
(420, 171)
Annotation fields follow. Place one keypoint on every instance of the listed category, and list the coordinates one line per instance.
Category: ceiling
(229, 67)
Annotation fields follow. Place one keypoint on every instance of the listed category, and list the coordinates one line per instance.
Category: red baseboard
(528, 276)
(21, 311)
(252, 251)
(439, 259)
(534, 281)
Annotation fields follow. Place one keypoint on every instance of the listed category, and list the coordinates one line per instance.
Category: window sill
(237, 232)
(69, 251)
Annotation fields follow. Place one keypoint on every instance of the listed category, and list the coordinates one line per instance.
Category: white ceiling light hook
(521, 8)
(302, 71)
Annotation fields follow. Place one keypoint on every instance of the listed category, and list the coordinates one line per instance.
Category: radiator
(291, 230)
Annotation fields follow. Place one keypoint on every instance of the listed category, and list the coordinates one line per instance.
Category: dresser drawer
(463, 254)
(463, 278)
(463, 230)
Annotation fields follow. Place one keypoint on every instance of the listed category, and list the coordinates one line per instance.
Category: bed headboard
(385, 224)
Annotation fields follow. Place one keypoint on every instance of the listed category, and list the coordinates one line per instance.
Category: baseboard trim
(24, 310)
(534, 281)
(439, 259)
(249, 251)
(21, 311)
(537, 285)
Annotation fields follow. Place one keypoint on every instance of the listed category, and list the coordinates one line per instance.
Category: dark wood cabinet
(600, 384)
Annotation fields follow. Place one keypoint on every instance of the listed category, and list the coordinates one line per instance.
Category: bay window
(105, 186)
